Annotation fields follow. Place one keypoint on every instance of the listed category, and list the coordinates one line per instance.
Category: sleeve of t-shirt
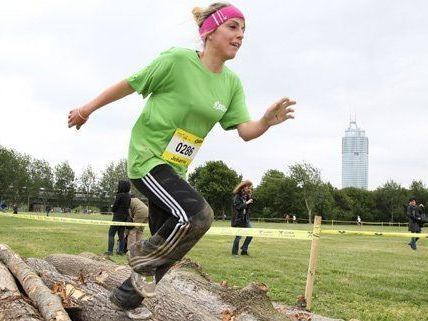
(154, 77)
(237, 112)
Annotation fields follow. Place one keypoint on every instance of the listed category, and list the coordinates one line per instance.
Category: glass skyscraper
(355, 157)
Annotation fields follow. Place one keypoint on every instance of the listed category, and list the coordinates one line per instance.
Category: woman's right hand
(249, 201)
(77, 117)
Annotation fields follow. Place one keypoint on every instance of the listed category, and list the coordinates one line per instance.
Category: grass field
(362, 277)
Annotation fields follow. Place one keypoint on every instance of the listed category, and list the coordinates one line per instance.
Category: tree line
(25, 180)
(299, 190)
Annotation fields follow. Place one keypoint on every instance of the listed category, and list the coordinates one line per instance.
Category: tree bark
(13, 306)
(185, 293)
(94, 268)
(83, 298)
(48, 304)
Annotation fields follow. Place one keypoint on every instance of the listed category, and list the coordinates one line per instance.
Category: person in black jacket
(241, 214)
(120, 214)
(415, 220)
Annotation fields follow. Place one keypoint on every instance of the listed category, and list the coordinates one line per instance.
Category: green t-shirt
(183, 94)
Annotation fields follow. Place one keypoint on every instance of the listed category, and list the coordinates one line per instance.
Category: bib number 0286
(182, 147)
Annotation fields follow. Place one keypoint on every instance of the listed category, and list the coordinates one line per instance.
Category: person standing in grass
(415, 221)
(242, 202)
(188, 92)
(359, 222)
(120, 214)
(138, 213)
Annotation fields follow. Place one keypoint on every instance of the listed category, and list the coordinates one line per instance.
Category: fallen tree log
(84, 282)
(92, 267)
(48, 304)
(13, 305)
(185, 293)
(84, 299)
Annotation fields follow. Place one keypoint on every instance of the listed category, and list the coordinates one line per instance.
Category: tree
(215, 181)
(88, 186)
(112, 174)
(343, 205)
(308, 178)
(419, 191)
(41, 176)
(325, 204)
(7, 165)
(64, 184)
(390, 199)
(275, 195)
(362, 204)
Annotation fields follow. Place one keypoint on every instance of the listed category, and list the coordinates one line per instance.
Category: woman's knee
(201, 222)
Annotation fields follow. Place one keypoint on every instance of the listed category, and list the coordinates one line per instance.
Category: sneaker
(144, 284)
(125, 300)
(141, 313)
(108, 253)
(244, 253)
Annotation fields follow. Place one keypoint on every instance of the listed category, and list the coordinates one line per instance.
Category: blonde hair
(200, 14)
(241, 185)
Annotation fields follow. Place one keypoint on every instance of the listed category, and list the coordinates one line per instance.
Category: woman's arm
(239, 203)
(278, 113)
(78, 116)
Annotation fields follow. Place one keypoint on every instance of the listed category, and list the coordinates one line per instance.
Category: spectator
(287, 218)
(138, 213)
(48, 210)
(415, 220)
(15, 208)
(120, 214)
(3, 206)
(241, 214)
(294, 219)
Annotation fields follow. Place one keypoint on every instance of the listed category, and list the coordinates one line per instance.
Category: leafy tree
(343, 205)
(40, 176)
(275, 195)
(325, 204)
(87, 184)
(215, 181)
(308, 178)
(362, 204)
(7, 165)
(64, 185)
(112, 174)
(390, 199)
(419, 191)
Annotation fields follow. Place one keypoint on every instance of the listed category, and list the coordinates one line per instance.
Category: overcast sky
(337, 59)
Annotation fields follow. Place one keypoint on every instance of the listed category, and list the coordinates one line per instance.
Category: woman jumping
(189, 92)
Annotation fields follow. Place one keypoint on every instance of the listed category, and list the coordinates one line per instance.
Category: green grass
(361, 277)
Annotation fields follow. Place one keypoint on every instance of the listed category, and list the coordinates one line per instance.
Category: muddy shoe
(144, 284)
(125, 297)
(141, 313)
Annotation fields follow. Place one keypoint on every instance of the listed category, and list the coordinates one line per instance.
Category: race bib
(182, 148)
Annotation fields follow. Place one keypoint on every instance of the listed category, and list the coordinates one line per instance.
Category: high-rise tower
(355, 157)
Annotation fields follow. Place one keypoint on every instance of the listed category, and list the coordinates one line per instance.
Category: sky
(338, 59)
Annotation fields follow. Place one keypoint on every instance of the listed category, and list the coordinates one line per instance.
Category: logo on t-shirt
(219, 106)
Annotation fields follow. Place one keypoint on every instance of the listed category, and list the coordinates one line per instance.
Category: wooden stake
(313, 262)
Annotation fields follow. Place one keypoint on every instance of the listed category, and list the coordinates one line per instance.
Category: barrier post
(313, 258)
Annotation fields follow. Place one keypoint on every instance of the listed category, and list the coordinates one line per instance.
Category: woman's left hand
(279, 112)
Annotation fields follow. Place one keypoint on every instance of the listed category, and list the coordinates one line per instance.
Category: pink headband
(218, 18)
